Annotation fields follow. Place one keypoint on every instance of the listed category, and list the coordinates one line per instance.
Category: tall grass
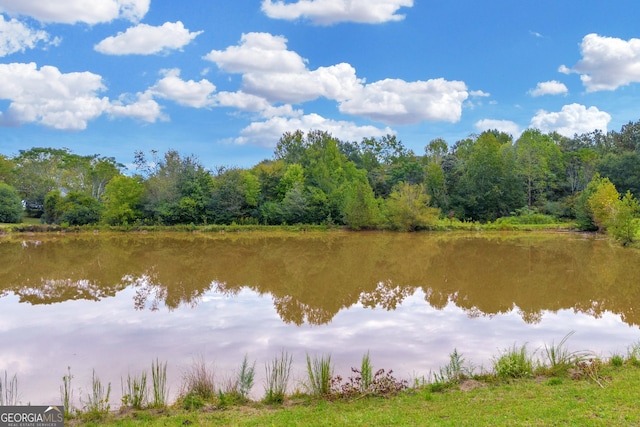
(557, 357)
(244, 380)
(366, 373)
(198, 380)
(135, 393)
(9, 390)
(319, 373)
(98, 400)
(514, 363)
(159, 384)
(66, 393)
(453, 372)
(277, 378)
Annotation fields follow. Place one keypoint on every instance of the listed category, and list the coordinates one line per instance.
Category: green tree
(407, 208)
(123, 200)
(625, 224)
(52, 202)
(603, 202)
(77, 208)
(11, 209)
(361, 208)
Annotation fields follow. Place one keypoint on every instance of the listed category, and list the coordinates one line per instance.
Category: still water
(115, 302)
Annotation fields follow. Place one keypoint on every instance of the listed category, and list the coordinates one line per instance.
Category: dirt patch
(468, 385)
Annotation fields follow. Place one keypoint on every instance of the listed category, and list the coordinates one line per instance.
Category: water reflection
(312, 277)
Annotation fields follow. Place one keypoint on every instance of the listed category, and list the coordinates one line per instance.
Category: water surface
(114, 302)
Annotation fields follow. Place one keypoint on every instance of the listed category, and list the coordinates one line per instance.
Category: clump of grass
(514, 363)
(616, 360)
(135, 393)
(159, 384)
(198, 381)
(98, 400)
(9, 390)
(366, 372)
(66, 393)
(319, 373)
(558, 359)
(633, 354)
(237, 388)
(452, 373)
(277, 378)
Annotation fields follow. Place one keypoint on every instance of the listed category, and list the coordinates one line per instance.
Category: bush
(11, 209)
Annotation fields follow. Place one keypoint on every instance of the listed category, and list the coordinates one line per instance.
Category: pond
(115, 302)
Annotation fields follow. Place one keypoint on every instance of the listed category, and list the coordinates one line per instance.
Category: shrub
(11, 210)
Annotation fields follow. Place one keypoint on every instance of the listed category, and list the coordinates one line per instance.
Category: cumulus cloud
(17, 37)
(258, 52)
(328, 12)
(144, 108)
(266, 133)
(398, 102)
(271, 71)
(145, 39)
(552, 87)
(66, 101)
(254, 104)
(74, 11)
(188, 93)
(572, 119)
(505, 126)
(607, 62)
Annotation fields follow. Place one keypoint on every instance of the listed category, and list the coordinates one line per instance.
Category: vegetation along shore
(545, 386)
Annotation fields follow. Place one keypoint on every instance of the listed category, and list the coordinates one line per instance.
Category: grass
(198, 386)
(159, 384)
(514, 363)
(134, 392)
(66, 393)
(319, 373)
(97, 401)
(518, 402)
(277, 378)
(8, 390)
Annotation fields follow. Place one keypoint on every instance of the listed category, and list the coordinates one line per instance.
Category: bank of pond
(522, 385)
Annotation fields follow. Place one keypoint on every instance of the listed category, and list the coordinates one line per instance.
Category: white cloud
(188, 93)
(607, 62)
(144, 108)
(46, 96)
(73, 11)
(17, 37)
(505, 126)
(393, 101)
(338, 82)
(572, 119)
(146, 39)
(258, 52)
(328, 12)
(552, 87)
(266, 133)
(272, 72)
(479, 93)
(254, 104)
(62, 101)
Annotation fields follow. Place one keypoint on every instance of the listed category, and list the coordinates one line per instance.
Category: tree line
(314, 178)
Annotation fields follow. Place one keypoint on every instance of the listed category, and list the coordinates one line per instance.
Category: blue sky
(223, 79)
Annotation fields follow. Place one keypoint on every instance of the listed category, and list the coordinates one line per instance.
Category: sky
(222, 80)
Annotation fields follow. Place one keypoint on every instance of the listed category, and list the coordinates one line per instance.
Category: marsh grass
(558, 359)
(135, 394)
(66, 393)
(366, 372)
(97, 402)
(236, 388)
(9, 390)
(159, 387)
(198, 381)
(319, 373)
(452, 373)
(514, 363)
(633, 354)
(277, 378)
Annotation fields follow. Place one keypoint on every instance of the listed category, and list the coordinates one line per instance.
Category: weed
(9, 390)
(98, 400)
(366, 372)
(244, 381)
(198, 380)
(135, 393)
(159, 384)
(277, 378)
(558, 358)
(616, 360)
(382, 384)
(192, 401)
(319, 373)
(633, 354)
(591, 369)
(452, 373)
(66, 393)
(514, 363)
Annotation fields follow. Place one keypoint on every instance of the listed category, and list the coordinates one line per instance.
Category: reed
(159, 384)
(66, 393)
(98, 400)
(319, 374)
(135, 393)
(9, 390)
(366, 372)
(277, 378)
